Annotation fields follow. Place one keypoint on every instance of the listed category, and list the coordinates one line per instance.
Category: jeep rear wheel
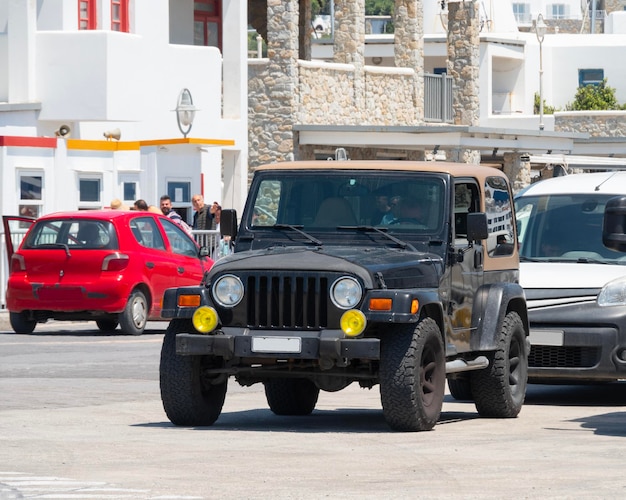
(412, 376)
(189, 396)
(499, 390)
(461, 388)
(291, 396)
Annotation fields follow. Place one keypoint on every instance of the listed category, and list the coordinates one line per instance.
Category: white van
(575, 286)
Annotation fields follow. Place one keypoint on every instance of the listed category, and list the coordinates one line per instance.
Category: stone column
(464, 60)
(282, 79)
(349, 45)
(517, 170)
(409, 45)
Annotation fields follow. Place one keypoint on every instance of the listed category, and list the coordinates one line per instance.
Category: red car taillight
(17, 263)
(115, 262)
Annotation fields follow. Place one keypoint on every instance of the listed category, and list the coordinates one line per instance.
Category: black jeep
(394, 273)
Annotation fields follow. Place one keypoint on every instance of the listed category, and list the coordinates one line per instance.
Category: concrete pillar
(282, 80)
(409, 45)
(349, 44)
(517, 169)
(21, 28)
(464, 60)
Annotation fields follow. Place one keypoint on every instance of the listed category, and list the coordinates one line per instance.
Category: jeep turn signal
(205, 319)
(381, 304)
(188, 300)
(353, 323)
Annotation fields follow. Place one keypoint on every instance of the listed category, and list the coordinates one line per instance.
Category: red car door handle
(150, 265)
(181, 270)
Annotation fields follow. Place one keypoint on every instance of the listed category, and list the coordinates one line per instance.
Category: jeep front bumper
(246, 343)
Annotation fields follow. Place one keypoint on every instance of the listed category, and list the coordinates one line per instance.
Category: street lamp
(540, 31)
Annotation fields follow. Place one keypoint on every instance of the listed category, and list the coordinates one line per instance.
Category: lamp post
(540, 31)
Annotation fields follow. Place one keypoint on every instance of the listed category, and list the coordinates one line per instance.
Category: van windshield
(563, 228)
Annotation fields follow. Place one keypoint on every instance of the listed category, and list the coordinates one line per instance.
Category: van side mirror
(614, 225)
(228, 223)
(477, 226)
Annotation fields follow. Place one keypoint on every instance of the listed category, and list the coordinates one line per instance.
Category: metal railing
(438, 98)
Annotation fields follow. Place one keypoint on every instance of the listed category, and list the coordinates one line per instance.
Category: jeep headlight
(228, 290)
(613, 293)
(346, 292)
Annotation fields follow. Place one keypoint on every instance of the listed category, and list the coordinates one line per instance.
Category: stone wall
(595, 123)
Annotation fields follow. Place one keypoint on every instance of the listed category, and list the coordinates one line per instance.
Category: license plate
(546, 337)
(60, 293)
(276, 344)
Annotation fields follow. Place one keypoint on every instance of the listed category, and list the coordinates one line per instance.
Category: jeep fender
(492, 303)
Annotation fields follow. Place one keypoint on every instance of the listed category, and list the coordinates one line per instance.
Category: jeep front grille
(563, 357)
(290, 301)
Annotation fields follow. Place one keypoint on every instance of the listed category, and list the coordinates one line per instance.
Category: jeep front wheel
(412, 376)
(291, 396)
(500, 389)
(189, 396)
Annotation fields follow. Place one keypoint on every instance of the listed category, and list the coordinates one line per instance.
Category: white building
(88, 92)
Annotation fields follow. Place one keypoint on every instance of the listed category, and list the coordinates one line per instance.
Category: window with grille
(119, 15)
(87, 15)
(207, 23)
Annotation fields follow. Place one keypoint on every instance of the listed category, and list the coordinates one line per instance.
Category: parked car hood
(568, 275)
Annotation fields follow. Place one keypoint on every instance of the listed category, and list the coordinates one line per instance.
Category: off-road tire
(412, 376)
(21, 324)
(106, 325)
(291, 396)
(189, 398)
(134, 317)
(500, 389)
(461, 388)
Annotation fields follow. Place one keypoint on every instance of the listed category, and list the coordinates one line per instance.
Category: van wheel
(412, 376)
(291, 396)
(189, 397)
(500, 389)
(135, 315)
(20, 322)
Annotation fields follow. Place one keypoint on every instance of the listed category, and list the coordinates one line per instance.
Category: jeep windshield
(563, 228)
(324, 205)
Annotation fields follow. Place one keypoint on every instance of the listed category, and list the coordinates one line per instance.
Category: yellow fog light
(353, 323)
(205, 319)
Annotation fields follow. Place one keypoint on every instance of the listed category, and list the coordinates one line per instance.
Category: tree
(594, 97)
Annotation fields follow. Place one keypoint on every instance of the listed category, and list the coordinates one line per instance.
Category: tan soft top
(454, 169)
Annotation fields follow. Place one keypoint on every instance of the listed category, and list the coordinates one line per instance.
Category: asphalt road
(81, 417)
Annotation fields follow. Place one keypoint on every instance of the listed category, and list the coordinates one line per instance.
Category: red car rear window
(83, 234)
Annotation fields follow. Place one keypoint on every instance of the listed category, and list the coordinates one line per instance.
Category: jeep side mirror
(477, 226)
(614, 226)
(228, 223)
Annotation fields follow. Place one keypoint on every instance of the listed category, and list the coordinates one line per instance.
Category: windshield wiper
(56, 245)
(399, 242)
(298, 229)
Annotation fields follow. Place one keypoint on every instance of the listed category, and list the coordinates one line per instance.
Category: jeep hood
(398, 268)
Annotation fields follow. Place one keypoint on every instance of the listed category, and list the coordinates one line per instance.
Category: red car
(105, 265)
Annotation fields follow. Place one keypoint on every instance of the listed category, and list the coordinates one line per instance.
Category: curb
(5, 324)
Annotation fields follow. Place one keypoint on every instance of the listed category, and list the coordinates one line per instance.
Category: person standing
(202, 219)
(166, 208)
